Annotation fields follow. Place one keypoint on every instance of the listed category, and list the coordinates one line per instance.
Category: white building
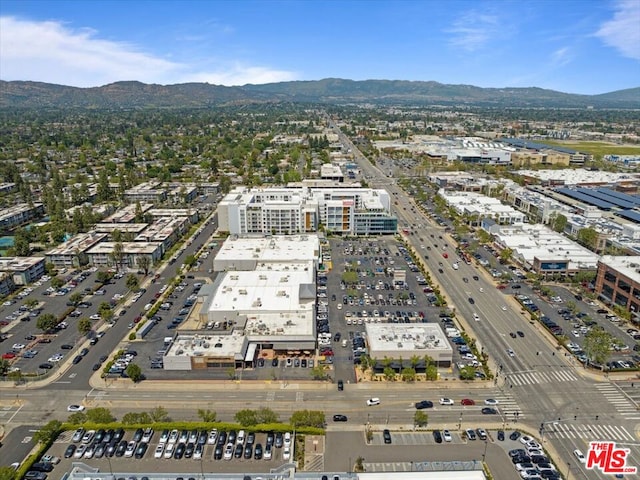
(476, 206)
(277, 210)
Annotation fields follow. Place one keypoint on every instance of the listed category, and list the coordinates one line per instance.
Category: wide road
(547, 386)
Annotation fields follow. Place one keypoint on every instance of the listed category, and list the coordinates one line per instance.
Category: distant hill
(128, 95)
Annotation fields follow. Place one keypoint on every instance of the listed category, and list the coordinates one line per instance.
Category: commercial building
(261, 305)
(23, 270)
(329, 171)
(618, 281)
(475, 207)
(400, 342)
(542, 250)
(357, 211)
(578, 176)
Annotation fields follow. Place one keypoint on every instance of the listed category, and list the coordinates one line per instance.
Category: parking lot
(173, 450)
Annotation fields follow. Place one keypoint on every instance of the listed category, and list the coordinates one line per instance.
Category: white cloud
(561, 57)
(51, 52)
(623, 30)
(473, 31)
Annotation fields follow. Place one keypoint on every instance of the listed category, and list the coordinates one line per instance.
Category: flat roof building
(17, 215)
(618, 281)
(145, 192)
(23, 270)
(280, 210)
(403, 341)
(476, 206)
(101, 254)
(71, 252)
(127, 214)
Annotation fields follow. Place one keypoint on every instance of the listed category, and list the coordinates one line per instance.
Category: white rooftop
(209, 345)
(575, 176)
(627, 266)
(411, 338)
(292, 248)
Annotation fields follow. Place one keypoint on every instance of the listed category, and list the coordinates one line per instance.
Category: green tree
(132, 418)
(420, 418)
(117, 255)
(132, 281)
(21, 241)
(100, 415)
(76, 297)
(144, 263)
(77, 418)
(409, 374)
(588, 237)
(57, 282)
(558, 222)
(266, 415)
(505, 255)
(207, 415)
(49, 432)
(103, 276)
(190, 260)
(47, 322)
(134, 372)
(597, 345)
(8, 473)
(159, 414)
(246, 417)
(318, 372)
(389, 373)
(467, 373)
(307, 418)
(5, 365)
(84, 326)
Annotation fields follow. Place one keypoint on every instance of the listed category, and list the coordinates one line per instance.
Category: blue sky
(576, 46)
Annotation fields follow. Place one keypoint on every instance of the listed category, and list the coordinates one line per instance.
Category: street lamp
(460, 421)
(484, 454)
(110, 467)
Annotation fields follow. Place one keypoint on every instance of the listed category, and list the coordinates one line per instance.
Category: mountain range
(132, 94)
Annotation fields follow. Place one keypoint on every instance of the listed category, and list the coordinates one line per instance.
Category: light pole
(568, 469)
(484, 454)
(110, 467)
(460, 422)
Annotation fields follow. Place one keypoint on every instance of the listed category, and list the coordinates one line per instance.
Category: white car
(446, 401)
(504, 308)
(131, 448)
(75, 408)
(286, 454)
(168, 450)
(95, 316)
(476, 317)
(492, 402)
(524, 439)
(213, 437)
(159, 451)
(446, 435)
(267, 452)
(287, 439)
(579, 455)
(18, 346)
(511, 352)
(373, 401)
(228, 452)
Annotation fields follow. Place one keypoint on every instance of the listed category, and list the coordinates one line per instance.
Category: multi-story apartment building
(23, 270)
(19, 214)
(288, 210)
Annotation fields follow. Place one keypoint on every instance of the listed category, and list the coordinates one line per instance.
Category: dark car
(179, 453)
(237, 453)
(71, 449)
(120, 449)
(437, 436)
(251, 438)
(274, 362)
(77, 359)
(386, 434)
(118, 435)
(339, 418)
(258, 452)
(42, 467)
(340, 385)
(141, 450)
(501, 435)
(232, 437)
(46, 366)
(137, 436)
(471, 300)
(248, 451)
(424, 404)
(278, 442)
(489, 411)
(66, 346)
(188, 450)
(217, 454)
(520, 333)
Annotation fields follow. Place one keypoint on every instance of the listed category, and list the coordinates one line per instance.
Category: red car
(445, 255)
(8, 356)
(502, 286)
(467, 401)
(137, 319)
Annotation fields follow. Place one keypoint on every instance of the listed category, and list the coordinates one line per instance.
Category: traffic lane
(345, 447)
(17, 444)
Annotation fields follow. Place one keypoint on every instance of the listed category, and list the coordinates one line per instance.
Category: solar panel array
(626, 206)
